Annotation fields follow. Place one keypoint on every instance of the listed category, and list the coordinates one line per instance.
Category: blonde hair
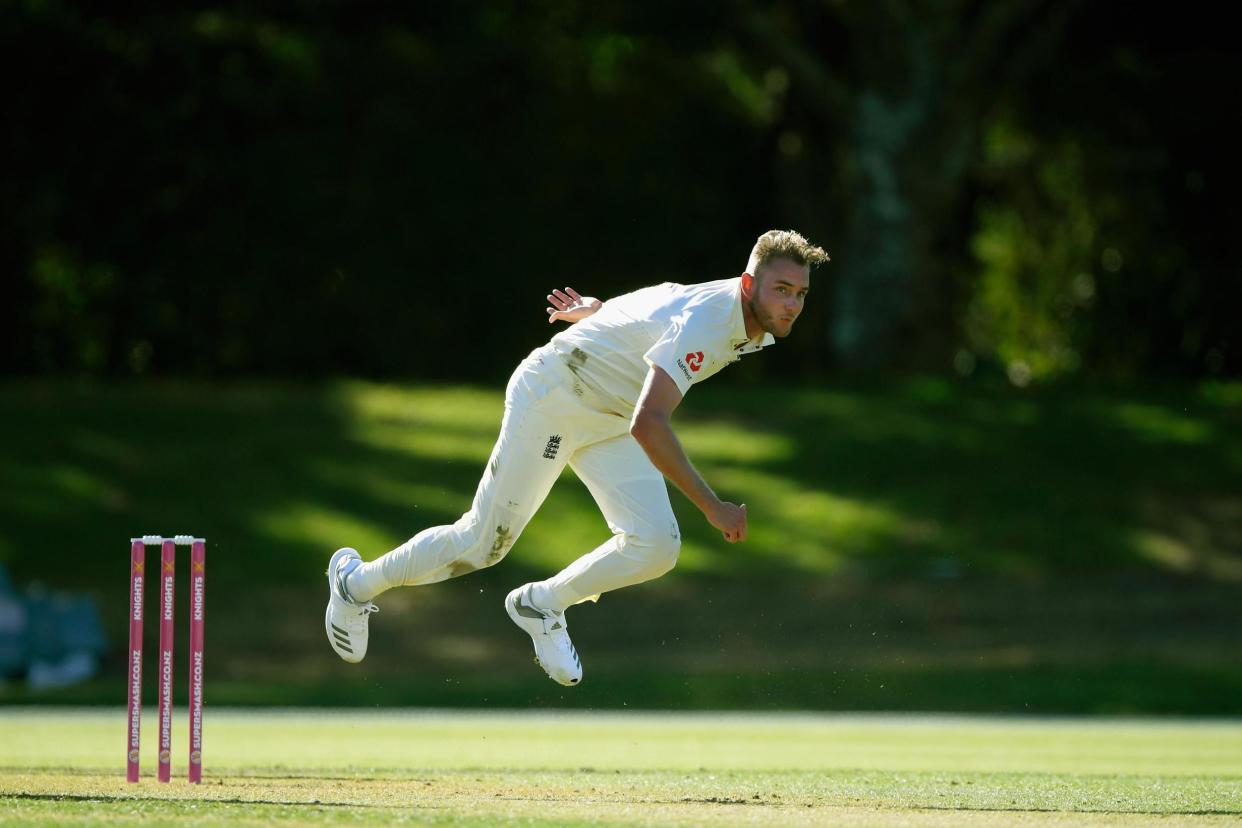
(784, 244)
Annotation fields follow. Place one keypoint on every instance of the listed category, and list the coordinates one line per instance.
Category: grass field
(487, 768)
(916, 544)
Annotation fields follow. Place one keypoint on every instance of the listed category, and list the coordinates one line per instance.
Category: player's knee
(485, 543)
(659, 551)
(496, 543)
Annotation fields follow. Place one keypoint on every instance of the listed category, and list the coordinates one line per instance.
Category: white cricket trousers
(548, 422)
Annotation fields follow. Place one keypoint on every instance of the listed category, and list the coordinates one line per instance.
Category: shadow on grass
(914, 545)
(970, 480)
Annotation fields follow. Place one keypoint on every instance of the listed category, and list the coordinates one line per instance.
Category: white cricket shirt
(690, 331)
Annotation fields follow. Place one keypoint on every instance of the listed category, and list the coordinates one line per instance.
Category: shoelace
(363, 611)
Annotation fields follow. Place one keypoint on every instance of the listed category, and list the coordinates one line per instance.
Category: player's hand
(568, 306)
(730, 519)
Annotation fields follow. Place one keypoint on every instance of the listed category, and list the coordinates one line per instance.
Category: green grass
(920, 478)
(300, 767)
(914, 545)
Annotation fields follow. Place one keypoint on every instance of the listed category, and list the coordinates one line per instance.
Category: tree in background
(1038, 186)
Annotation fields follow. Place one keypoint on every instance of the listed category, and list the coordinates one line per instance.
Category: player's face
(779, 294)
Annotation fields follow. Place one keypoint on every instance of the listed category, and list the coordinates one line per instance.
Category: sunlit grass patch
(315, 526)
(731, 444)
(795, 526)
(460, 408)
(1157, 423)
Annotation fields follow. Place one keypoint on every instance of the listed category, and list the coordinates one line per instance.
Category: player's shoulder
(721, 292)
(711, 303)
(701, 304)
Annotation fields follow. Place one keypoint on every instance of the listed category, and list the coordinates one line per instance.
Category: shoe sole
(351, 658)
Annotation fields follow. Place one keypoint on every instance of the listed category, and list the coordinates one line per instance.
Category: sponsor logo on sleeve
(695, 361)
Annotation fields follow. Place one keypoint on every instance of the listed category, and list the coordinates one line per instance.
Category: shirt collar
(738, 339)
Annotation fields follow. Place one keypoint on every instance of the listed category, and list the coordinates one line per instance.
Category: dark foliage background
(1043, 189)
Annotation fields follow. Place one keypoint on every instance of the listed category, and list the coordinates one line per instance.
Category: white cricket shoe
(346, 621)
(554, 652)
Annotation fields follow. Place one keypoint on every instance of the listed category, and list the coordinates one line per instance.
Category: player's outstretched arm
(651, 428)
(569, 306)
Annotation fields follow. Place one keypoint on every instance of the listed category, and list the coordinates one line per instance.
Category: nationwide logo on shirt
(696, 361)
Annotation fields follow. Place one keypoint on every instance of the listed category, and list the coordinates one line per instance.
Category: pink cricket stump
(137, 560)
(198, 614)
(168, 585)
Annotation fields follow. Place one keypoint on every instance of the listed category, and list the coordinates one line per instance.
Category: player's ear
(748, 285)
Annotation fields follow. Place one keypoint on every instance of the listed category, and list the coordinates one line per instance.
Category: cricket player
(599, 397)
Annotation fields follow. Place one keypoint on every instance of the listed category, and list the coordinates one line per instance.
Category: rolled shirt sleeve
(679, 352)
